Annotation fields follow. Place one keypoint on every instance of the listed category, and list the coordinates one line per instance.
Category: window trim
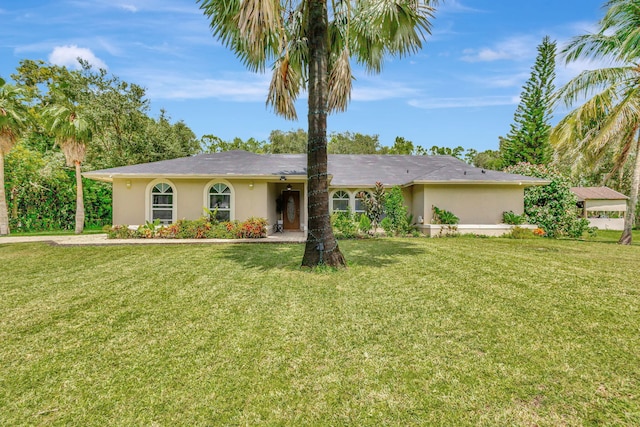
(348, 199)
(355, 199)
(149, 202)
(232, 202)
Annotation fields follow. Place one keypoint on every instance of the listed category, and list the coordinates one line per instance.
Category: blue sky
(462, 88)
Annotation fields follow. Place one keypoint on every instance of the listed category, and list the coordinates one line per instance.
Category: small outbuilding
(602, 206)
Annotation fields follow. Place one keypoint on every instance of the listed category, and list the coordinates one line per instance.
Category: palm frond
(589, 82)
(14, 115)
(73, 150)
(284, 89)
(395, 27)
(340, 79)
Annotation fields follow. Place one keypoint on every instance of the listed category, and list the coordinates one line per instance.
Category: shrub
(201, 228)
(520, 233)
(449, 230)
(539, 232)
(441, 216)
(119, 232)
(364, 224)
(374, 204)
(512, 218)
(223, 230)
(552, 207)
(344, 225)
(253, 228)
(193, 229)
(396, 211)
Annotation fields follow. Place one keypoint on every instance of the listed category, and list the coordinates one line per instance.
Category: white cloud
(455, 6)
(379, 92)
(129, 7)
(485, 101)
(250, 89)
(514, 79)
(68, 56)
(515, 48)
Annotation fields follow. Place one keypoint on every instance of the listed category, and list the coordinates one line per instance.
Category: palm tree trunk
(4, 215)
(630, 216)
(79, 201)
(321, 246)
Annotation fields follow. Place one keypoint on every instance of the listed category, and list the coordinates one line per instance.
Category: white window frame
(149, 208)
(348, 199)
(356, 198)
(232, 196)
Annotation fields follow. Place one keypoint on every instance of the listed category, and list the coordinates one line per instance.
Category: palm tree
(306, 48)
(13, 121)
(610, 118)
(69, 124)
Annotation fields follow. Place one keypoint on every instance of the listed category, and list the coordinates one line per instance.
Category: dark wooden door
(291, 211)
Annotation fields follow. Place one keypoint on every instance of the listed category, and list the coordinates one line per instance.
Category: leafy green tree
(292, 142)
(401, 146)
(353, 143)
(528, 139)
(13, 122)
(164, 140)
(374, 204)
(488, 159)
(552, 207)
(214, 144)
(67, 120)
(609, 121)
(307, 49)
(123, 131)
(396, 220)
(456, 152)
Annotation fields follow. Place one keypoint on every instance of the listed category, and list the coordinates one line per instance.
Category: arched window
(162, 203)
(220, 201)
(360, 207)
(340, 201)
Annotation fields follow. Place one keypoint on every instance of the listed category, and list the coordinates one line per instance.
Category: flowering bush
(253, 228)
(539, 232)
(119, 232)
(552, 207)
(202, 228)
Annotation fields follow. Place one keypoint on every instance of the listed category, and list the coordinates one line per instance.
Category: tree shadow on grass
(364, 253)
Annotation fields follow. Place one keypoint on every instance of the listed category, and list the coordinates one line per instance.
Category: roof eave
(484, 182)
(271, 177)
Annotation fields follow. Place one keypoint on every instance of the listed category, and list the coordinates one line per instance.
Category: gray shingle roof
(597, 193)
(346, 169)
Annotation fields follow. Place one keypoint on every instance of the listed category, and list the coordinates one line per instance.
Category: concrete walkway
(101, 240)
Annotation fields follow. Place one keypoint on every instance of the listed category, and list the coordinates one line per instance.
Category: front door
(291, 212)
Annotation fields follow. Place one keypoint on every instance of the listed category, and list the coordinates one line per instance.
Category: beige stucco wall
(249, 198)
(129, 203)
(474, 204)
(417, 207)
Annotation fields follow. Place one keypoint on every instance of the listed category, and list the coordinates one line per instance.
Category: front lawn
(415, 332)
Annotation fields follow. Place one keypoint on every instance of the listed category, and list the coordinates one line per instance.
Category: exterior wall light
(128, 183)
(251, 185)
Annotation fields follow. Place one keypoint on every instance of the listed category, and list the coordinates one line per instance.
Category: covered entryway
(291, 209)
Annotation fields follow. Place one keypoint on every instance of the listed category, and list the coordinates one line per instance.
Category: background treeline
(40, 187)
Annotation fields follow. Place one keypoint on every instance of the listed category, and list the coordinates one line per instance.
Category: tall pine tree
(528, 139)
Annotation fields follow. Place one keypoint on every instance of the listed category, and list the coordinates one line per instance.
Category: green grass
(87, 230)
(415, 332)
